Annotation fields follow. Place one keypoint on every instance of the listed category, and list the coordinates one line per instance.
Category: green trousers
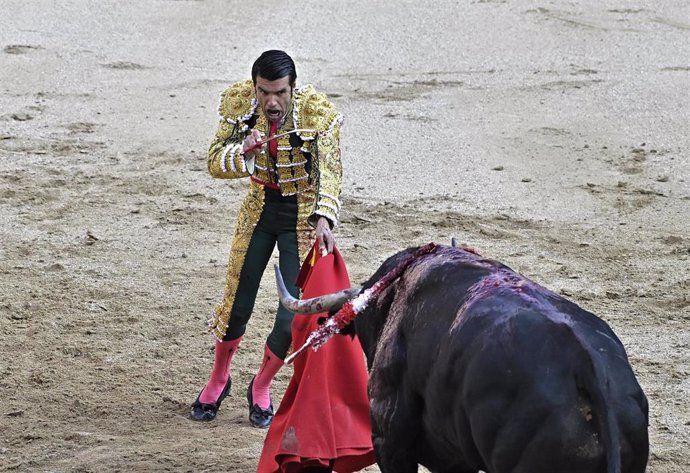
(277, 224)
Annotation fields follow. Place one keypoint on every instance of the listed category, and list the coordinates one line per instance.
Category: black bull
(474, 367)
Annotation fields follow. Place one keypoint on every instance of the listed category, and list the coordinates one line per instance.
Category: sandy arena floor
(551, 135)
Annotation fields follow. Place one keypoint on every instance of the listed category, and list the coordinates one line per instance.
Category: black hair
(273, 65)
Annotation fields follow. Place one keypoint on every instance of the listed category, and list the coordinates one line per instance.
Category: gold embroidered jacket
(307, 162)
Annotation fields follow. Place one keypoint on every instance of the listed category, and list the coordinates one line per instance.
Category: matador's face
(274, 97)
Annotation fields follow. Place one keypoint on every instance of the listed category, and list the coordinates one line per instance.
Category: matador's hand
(252, 144)
(325, 236)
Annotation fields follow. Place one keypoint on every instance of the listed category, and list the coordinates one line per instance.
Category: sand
(550, 135)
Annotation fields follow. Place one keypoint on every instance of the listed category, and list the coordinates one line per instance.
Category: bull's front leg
(395, 409)
(395, 428)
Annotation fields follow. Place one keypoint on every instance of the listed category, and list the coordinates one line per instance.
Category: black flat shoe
(206, 412)
(258, 417)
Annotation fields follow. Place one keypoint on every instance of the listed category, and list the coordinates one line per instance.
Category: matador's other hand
(325, 237)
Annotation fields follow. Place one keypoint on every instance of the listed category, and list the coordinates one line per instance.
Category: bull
(474, 367)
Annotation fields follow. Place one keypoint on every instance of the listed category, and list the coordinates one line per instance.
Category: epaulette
(314, 111)
(237, 102)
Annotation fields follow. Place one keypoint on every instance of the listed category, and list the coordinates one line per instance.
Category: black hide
(474, 367)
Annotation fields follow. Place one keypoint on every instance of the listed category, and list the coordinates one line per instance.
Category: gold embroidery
(283, 162)
(250, 212)
(262, 167)
(314, 111)
(305, 233)
(330, 171)
(237, 102)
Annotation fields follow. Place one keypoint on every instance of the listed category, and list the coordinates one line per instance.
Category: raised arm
(225, 158)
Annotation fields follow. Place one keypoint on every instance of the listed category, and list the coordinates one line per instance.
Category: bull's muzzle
(325, 303)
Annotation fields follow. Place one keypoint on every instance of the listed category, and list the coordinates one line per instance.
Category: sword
(260, 143)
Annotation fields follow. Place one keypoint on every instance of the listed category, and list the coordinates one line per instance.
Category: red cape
(323, 417)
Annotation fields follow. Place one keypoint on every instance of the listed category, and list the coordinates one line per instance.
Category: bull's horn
(325, 303)
(453, 242)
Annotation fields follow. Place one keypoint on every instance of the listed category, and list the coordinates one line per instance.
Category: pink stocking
(221, 371)
(262, 381)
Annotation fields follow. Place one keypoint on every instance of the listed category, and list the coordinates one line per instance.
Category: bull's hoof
(207, 412)
(258, 417)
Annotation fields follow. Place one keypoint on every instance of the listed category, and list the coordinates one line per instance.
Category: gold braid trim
(246, 221)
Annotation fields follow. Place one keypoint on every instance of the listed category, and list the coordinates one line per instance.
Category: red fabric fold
(323, 418)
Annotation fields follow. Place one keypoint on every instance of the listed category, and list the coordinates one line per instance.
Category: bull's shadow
(474, 367)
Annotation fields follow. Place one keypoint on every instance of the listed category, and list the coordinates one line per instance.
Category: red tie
(273, 144)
